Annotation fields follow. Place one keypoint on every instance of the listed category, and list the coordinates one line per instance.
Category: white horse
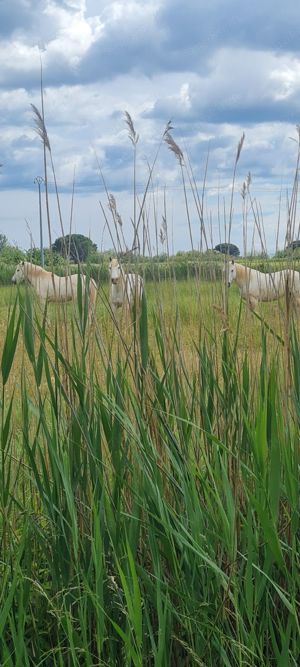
(255, 286)
(50, 287)
(125, 288)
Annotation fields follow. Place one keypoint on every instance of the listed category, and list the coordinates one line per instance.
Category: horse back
(134, 285)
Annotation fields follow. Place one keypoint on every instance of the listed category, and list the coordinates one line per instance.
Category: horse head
(19, 274)
(114, 270)
(230, 272)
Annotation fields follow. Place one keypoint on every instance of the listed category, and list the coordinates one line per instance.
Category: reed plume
(133, 136)
(40, 127)
(171, 143)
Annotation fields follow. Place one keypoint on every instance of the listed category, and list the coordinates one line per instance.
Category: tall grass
(149, 472)
(149, 506)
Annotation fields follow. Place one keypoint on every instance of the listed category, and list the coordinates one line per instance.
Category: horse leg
(113, 310)
(91, 315)
(92, 302)
(252, 301)
(43, 302)
(126, 314)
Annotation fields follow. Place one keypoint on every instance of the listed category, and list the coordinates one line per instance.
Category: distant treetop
(3, 241)
(76, 247)
(293, 245)
(228, 249)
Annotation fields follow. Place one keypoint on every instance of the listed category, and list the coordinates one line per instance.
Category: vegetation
(51, 258)
(293, 245)
(3, 242)
(75, 247)
(182, 266)
(228, 249)
(149, 469)
(10, 254)
(150, 499)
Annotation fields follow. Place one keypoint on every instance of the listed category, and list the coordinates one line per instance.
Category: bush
(6, 273)
(51, 258)
(11, 255)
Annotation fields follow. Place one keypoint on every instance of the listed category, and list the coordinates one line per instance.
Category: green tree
(76, 247)
(3, 241)
(228, 249)
(294, 245)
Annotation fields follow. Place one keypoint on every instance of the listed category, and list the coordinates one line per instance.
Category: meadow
(149, 474)
(149, 497)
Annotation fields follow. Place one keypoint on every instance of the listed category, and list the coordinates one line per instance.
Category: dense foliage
(293, 245)
(76, 247)
(11, 254)
(51, 258)
(228, 249)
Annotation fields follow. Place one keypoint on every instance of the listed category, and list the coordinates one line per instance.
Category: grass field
(149, 503)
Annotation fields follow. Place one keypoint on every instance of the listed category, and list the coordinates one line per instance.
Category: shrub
(11, 255)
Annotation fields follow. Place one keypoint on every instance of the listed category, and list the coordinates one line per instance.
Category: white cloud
(286, 78)
(101, 58)
(17, 57)
(74, 33)
(237, 80)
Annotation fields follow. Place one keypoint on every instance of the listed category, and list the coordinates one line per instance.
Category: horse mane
(241, 270)
(34, 268)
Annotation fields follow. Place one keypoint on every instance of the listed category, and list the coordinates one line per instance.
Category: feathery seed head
(133, 136)
(239, 148)
(41, 127)
(112, 205)
(174, 147)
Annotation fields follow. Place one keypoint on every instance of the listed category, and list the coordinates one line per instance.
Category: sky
(214, 69)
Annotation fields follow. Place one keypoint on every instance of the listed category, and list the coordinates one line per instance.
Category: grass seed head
(239, 148)
(133, 136)
(112, 205)
(40, 127)
(174, 147)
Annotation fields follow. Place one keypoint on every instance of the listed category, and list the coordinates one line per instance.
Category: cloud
(207, 26)
(241, 87)
(59, 33)
(216, 69)
(76, 46)
(82, 42)
(130, 40)
(18, 15)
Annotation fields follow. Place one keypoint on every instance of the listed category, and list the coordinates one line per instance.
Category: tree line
(80, 248)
